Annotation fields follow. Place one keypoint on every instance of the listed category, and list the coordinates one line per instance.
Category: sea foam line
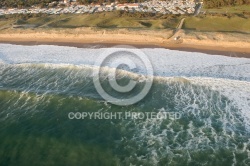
(165, 62)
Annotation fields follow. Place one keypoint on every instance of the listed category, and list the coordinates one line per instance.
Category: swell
(211, 124)
(70, 80)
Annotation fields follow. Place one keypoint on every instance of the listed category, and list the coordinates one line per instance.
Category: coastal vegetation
(234, 21)
(222, 3)
(238, 9)
(215, 23)
(116, 19)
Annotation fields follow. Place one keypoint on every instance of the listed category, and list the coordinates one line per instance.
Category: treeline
(220, 3)
(24, 3)
(44, 3)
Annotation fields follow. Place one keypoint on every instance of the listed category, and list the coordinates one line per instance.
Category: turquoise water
(36, 98)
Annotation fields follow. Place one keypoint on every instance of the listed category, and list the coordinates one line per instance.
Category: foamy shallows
(211, 91)
(165, 62)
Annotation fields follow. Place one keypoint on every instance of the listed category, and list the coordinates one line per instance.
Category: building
(69, 1)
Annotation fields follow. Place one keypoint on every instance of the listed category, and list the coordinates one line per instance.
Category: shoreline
(143, 40)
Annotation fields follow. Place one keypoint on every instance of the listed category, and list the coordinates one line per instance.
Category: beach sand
(212, 43)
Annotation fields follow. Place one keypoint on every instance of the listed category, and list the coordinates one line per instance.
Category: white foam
(149, 132)
(236, 91)
(165, 62)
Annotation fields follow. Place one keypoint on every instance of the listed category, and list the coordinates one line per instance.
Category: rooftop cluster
(155, 6)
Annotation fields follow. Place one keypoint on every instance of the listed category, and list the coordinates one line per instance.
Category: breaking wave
(40, 85)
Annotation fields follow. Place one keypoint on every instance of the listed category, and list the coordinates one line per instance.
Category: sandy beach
(210, 43)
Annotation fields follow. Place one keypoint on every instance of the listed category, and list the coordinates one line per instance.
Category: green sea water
(35, 100)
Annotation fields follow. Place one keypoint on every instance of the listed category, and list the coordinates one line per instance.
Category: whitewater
(206, 88)
(165, 62)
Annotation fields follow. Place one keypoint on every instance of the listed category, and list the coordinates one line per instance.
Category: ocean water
(41, 85)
